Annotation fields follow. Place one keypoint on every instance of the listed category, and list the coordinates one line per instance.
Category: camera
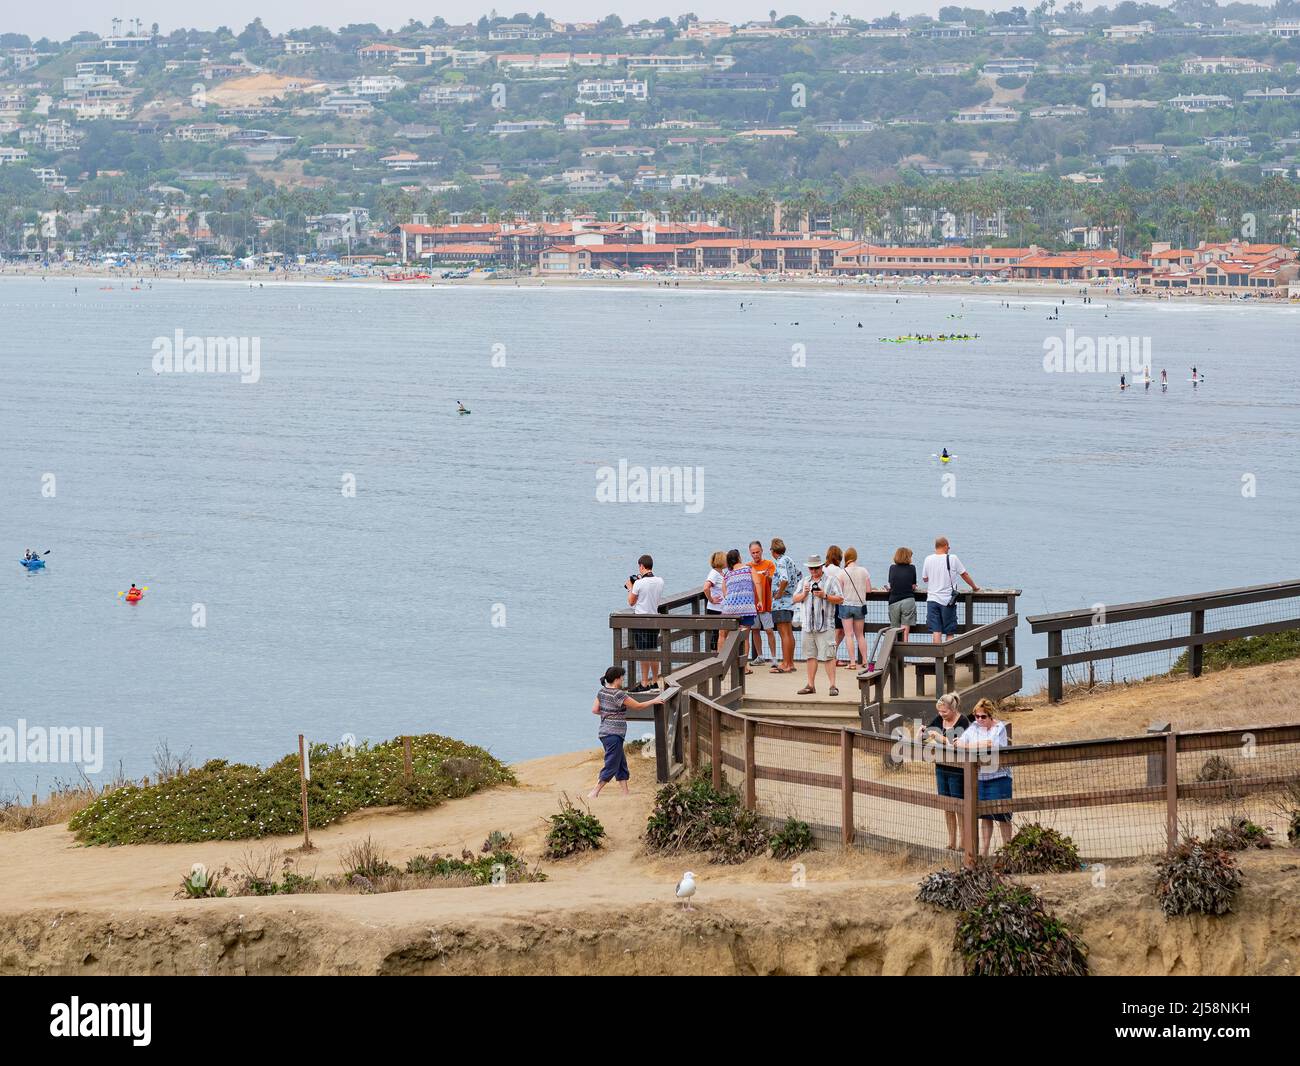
(815, 586)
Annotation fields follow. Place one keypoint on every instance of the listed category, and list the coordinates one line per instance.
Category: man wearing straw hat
(818, 594)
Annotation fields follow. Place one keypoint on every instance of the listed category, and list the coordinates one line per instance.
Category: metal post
(303, 773)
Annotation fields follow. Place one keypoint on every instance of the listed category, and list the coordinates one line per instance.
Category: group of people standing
(829, 603)
(770, 596)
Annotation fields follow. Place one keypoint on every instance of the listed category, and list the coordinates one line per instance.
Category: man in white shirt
(643, 596)
(939, 575)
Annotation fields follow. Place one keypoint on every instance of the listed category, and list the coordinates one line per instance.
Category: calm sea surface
(373, 614)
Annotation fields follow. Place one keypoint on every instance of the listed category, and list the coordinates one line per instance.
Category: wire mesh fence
(797, 774)
(1117, 643)
(1115, 799)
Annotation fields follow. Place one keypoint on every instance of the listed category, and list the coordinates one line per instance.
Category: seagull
(686, 889)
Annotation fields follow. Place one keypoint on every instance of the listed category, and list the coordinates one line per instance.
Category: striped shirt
(613, 715)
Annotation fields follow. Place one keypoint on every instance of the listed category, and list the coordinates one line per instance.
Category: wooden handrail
(1194, 641)
(958, 644)
(1170, 605)
(684, 622)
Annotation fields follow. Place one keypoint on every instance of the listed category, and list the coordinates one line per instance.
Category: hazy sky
(62, 19)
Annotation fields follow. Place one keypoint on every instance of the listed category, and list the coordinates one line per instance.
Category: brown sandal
(807, 690)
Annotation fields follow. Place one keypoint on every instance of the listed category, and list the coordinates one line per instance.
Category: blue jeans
(615, 768)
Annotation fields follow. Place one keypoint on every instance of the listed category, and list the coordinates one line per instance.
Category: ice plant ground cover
(233, 801)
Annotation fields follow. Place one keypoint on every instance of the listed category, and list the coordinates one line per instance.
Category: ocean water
(380, 613)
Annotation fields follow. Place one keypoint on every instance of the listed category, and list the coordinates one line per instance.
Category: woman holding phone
(945, 728)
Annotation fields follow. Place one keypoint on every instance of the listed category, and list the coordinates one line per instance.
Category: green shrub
(476, 869)
(958, 890)
(498, 841)
(1216, 768)
(738, 838)
(572, 831)
(201, 883)
(793, 838)
(692, 815)
(1197, 878)
(232, 801)
(1035, 849)
(1293, 829)
(1240, 834)
(1010, 933)
(1246, 651)
(362, 859)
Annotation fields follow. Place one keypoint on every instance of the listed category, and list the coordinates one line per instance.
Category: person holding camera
(644, 591)
(612, 704)
(818, 595)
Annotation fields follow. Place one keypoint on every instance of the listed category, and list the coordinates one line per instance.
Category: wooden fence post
(892, 726)
(1171, 789)
(663, 770)
(1055, 690)
(693, 731)
(846, 787)
(970, 840)
(1156, 760)
(1196, 653)
(751, 789)
(715, 745)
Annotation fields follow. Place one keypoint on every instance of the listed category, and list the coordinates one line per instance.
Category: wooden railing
(1118, 798)
(988, 650)
(1100, 620)
(719, 679)
(687, 634)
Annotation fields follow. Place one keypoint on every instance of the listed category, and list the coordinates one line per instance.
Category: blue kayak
(32, 564)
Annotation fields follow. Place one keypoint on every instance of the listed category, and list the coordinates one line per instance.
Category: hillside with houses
(1137, 142)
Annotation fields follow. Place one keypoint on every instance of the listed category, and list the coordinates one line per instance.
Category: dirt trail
(68, 909)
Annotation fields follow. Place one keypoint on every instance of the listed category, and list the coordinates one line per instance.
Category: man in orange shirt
(762, 570)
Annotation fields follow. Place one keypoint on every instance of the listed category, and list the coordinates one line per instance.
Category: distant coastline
(318, 277)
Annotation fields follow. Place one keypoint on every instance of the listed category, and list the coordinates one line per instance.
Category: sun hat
(814, 560)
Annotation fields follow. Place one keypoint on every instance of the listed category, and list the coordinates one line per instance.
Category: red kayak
(133, 596)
